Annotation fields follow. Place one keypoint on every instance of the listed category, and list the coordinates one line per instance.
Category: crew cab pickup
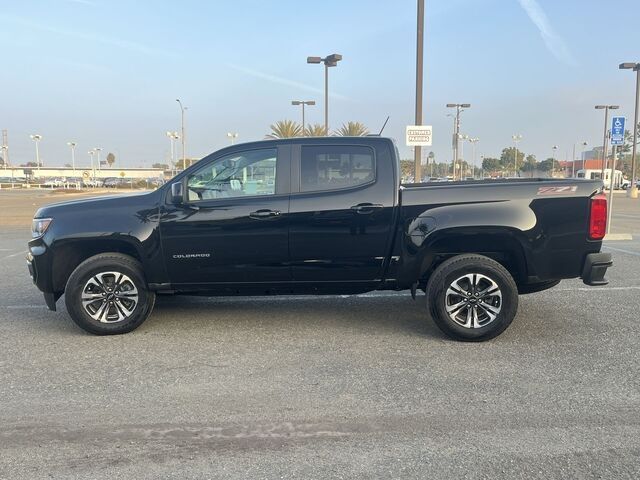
(319, 216)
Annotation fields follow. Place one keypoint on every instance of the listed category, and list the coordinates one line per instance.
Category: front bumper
(38, 264)
(595, 267)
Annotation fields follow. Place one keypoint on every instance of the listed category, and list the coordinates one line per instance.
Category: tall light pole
(173, 136)
(456, 133)
(93, 170)
(473, 142)
(98, 150)
(633, 191)
(516, 138)
(232, 136)
(4, 155)
(36, 138)
(584, 147)
(605, 139)
(329, 61)
(303, 103)
(182, 137)
(72, 145)
(553, 159)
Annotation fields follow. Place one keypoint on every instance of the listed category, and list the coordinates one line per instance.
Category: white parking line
(24, 307)
(13, 255)
(622, 250)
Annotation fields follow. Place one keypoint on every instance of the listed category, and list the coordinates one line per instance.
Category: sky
(106, 73)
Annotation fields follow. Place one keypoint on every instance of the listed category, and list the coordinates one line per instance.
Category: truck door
(341, 211)
(234, 227)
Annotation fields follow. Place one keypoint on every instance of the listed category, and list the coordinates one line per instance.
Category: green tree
(530, 164)
(163, 166)
(549, 164)
(352, 129)
(111, 159)
(180, 165)
(490, 164)
(285, 129)
(507, 156)
(315, 130)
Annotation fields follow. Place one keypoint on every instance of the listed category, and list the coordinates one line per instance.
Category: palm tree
(285, 129)
(315, 130)
(352, 129)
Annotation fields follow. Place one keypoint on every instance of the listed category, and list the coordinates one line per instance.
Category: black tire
(481, 327)
(103, 265)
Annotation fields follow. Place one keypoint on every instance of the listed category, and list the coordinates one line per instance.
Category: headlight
(39, 226)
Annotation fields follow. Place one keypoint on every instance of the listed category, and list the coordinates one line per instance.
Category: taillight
(598, 217)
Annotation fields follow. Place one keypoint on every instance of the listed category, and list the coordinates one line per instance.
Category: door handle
(261, 214)
(366, 208)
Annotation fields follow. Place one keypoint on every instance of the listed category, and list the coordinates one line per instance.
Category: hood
(96, 204)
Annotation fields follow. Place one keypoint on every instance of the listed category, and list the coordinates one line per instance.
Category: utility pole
(605, 140)
(5, 148)
(611, 185)
(456, 133)
(182, 137)
(417, 152)
(633, 191)
(516, 138)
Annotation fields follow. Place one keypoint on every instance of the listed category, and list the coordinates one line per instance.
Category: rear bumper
(595, 267)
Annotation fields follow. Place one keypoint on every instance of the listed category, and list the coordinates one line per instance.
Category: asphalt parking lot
(330, 387)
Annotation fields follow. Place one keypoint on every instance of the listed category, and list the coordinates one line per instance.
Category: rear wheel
(107, 295)
(472, 297)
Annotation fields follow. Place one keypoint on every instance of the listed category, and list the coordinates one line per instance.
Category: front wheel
(107, 295)
(472, 298)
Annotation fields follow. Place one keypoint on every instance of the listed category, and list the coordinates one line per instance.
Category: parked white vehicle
(592, 174)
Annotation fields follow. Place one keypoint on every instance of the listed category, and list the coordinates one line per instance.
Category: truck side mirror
(177, 193)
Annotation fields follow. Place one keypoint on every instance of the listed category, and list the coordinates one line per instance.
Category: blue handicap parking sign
(617, 130)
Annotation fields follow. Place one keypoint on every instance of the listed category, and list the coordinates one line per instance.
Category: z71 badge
(560, 190)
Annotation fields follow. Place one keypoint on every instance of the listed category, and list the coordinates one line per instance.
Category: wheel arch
(72, 253)
(500, 244)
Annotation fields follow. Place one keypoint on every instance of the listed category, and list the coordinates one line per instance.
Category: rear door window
(335, 167)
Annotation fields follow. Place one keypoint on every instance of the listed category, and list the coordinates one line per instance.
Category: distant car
(111, 182)
(155, 181)
(93, 182)
(53, 183)
(624, 184)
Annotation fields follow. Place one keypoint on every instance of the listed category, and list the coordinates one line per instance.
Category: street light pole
(98, 150)
(553, 160)
(456, 134)
(93, 170)
(182, 137)
(303, 103)
(473, 142)
(329, 61)
(173, 136)
(73, 156)
(4, 156)
(605, 140)
(516, 138)
(232, 136)
(633, 191)
(36, 138)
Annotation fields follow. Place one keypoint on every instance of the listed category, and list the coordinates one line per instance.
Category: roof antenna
(385, 124)
(381, 130)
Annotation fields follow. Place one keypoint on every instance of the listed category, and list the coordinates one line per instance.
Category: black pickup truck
(319, 216)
